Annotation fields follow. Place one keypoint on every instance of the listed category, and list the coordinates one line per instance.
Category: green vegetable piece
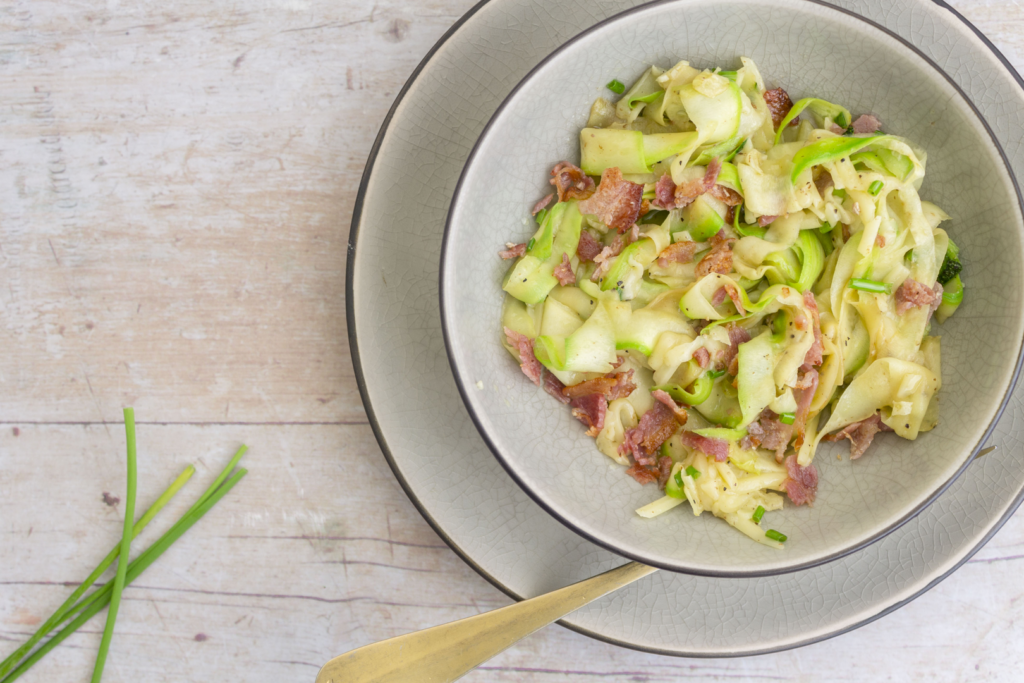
(726, 148)
(674, 487)
(603, 148)
(541, 215)
(693, 472)
(951, 265)
(821, 108)
(776, 536)
(758, 514)
(839, 194)
(812, 259)
(716, 118)
(952, 297)
(715, 374)
(869, 160)
(616, 87)
(875, 187)
(646, 99)
(874, 286)
(531, 278)
(701, 391)
(897, 164)
(752, 230)
(643, 251)
(829, 149)
(787, 418)
(660, 146)
(722, 406)
(123, 554)
(730, 177)
(701, 220)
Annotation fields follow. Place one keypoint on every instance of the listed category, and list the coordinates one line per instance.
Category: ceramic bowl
(810, 50)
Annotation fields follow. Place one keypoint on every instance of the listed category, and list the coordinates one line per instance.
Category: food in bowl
(744, 266)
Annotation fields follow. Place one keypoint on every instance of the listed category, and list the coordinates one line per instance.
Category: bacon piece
(590, 410)
(836, 129)
(604, 259)
(645, 206)
(717, 448)
(703, 357)
(753, 438)
(563, 272)
(513, 251)
(727, 196)
(823, 182)
(813, 356)
(633, 235)
(719, 259)
(554, 386)
(542, 204)
(677, 252)
(737, 336)
(912, 293)
(527, 361)
(866, 123)
(776, 433)
(860, 434)
(642, 474)
(664, 471)
(616, 202)
(765, 221)
(665, 192)
(588, 247)
(718, 297)
(571, 182)
(730, 215)
(802, 483)
(779, 105)
(662, 397)
(804, 394)
(668, 195)
(618, 385)
(732, 291)
(654, 428)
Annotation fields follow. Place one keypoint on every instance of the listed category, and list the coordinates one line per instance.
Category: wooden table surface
(176, 184)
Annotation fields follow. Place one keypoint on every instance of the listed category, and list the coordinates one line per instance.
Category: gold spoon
(449, 651)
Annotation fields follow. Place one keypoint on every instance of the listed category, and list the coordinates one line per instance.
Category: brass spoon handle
(447, 652)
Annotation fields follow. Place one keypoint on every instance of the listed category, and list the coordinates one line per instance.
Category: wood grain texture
(177, 181)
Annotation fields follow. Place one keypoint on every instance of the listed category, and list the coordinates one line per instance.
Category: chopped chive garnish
(787, 418)
(870, 286)
(715, 374)
(758, 514)
(692, 471)
(776, 536)
(875, 187)
(122, 558)
(541, 215)
(679, 478)
(839, 193)
(616, 87)
(529, 245)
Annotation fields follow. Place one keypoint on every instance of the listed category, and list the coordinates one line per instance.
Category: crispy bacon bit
(678, 252)
(727, 196)
(866, 123)
(604, 259)
(618, 385)
(719, 296)
(836, 129)
(732, 291)
(802, 483)
(776, 433)
(860, 434)
(665, 192)
(643, 475)
(753, 438)
(662, 397)
(554, 386)
(823, 182)
(717, 448)
(645, 206)
(719, 259)
(571, 182)
(912, 293)
(703, 357)
(779, 105)
(590, 410)
(813, 356)
(737, 336)
(730, 214)
(513, 251)
(765, 221)
(804, 394)
(664, 471)
(588, 247)
(616, 202)
(644, 440)
(633, 235)
(668, 195)
(542, 204)
(563, 272)
(527, 361)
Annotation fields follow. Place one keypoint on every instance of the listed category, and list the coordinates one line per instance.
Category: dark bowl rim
(466, 395)
(435, 525)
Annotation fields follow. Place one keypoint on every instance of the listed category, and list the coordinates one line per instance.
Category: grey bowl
(809, 49)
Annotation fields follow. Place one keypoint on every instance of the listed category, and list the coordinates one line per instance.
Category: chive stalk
(693, 472)
(616, 87)
(874, 286)
(715, 374)
(58, 616)
(875, 187)
(126, 542)
(758, 514)
(776, 536)
(787, 418)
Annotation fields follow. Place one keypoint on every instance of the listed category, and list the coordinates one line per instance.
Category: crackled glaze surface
(546, 449)
(445, 465)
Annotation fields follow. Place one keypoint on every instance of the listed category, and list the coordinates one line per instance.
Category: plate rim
(351, 330)
(467, 396)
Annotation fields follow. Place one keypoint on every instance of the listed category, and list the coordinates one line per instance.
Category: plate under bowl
(809, 49)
